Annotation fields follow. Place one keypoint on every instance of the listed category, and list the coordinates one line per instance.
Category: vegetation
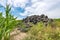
(40, 32)
(37, 31)
(7, 24)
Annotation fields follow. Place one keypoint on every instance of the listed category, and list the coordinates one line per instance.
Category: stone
(37, 18)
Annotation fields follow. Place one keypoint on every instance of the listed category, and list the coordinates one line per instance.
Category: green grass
(57, 22)
(57, 19)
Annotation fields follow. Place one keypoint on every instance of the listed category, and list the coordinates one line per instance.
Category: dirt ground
(17, 35)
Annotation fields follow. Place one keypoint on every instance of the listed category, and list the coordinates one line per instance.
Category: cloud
(54, 13)
(43, 7)
(35, 7)
(3, 2)
(32, 10)
(17, 3)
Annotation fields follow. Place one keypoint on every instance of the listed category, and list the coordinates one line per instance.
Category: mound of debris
(37, 18)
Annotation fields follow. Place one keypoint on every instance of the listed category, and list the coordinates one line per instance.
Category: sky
(24, 8)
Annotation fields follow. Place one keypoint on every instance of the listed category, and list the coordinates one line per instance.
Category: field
(40, 32)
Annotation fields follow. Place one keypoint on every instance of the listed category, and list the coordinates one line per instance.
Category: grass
(57, 19)
(57, 22)
(40, 32)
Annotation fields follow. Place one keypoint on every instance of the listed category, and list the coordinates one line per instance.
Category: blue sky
(24, 8)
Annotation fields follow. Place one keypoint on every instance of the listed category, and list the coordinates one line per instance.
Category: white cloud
(42, 7)
(38, 7)
(3, 3)
(54, 14)
(32, 10)
(17, 3)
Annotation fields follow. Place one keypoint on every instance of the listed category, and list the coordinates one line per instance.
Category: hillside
(39, 31)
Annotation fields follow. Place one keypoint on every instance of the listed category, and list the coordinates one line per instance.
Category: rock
(28, 25)
(37, 18)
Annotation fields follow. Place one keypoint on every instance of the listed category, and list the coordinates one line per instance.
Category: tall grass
(41, 32)
(7, 24)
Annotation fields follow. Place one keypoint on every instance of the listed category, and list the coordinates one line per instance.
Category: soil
(17, 35)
